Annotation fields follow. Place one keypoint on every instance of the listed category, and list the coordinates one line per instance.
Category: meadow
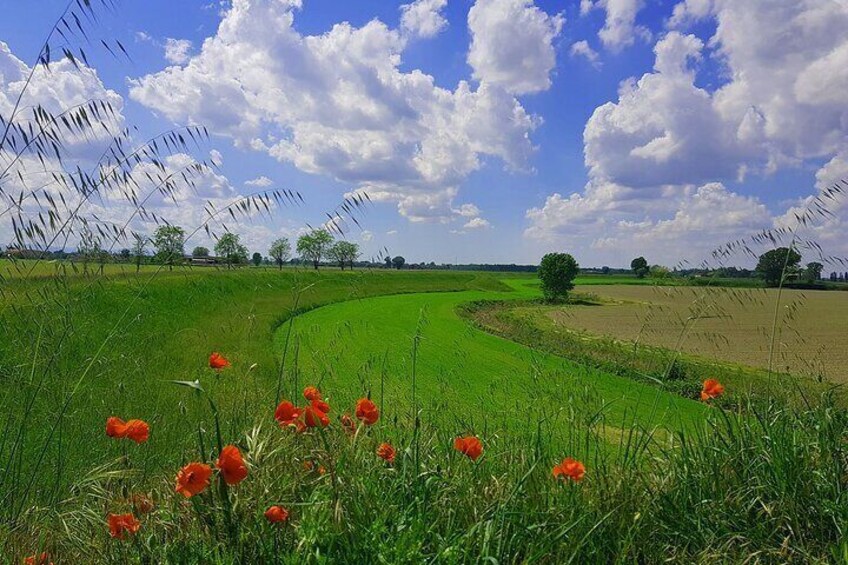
(667, 476)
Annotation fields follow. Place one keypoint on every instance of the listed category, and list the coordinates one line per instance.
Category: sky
(486, 131)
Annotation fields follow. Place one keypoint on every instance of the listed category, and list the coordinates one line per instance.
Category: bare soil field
(735, 325)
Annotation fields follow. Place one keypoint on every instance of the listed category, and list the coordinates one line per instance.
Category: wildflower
(347, 424)
(218, 361)
(115, 427)
(367, 411)
(231, 464)
(311, 393)
(712, 389)
(141, 503)
(276, 514)
(470, 446)
(121, 524)
(286, 413)
(43, 559)
(322, 470)
(569, 469)
(136, 430)
(320, 405)
(314, 417)
(193, 479)
(387, 452)
(308, 465)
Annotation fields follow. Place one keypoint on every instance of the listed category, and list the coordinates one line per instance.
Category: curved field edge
(468, 380)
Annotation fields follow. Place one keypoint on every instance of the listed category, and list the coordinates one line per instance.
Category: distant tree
(775, 265)
(169, 242)
(605, 270)
(398, 262)
(659, 272)
(557, 272)
(280, 251)
(813, 272)
(640, 267)
(89, 248)
(256, 259)
(125, 255)
(200, 251)
(344, 253)
(313, 246)
(230, 248)
(388, 262)
(139, 250)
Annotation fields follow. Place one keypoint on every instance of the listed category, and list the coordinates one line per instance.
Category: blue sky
(715, 126)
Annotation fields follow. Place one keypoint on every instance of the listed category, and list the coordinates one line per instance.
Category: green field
(668, 477)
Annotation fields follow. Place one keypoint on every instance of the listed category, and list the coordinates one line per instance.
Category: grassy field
(668, 478)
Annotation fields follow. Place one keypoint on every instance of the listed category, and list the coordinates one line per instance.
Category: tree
(138, 250)
(313, 246)
(169, 242)
(200, 251)
(640, 267)
(813, 272)
(88, 248)
(557, 272)
(230, 248)
(257, 259)
(125, 255)
(659, 272)
(388, 262)
(344, 253)
(398, 262)
(774, 265)
(280, 251)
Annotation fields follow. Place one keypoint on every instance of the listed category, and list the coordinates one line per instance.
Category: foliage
(200, 251)
(813, 272)
(313, 246)
(230, 248)
(398, 262)
(280, 251)
(169, 242)
(640, 267)
(344, 253)
(256, 259)
(557, 272)
(775, 265)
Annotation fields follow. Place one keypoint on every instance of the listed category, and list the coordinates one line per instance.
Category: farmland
(78, 349)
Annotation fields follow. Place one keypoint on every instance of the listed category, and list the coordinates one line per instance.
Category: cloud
(620, 29)
(780, 102)
(477, 223)
(583, 49)
(423, 18)
(338, 104)
(262, 181)
(177, 51)
(523, 63)
(366, 236)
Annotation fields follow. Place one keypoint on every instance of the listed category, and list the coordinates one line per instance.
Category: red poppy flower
(347, 424)
(231, 464)
(367, 411)
(43, 559)
(136, 430)
(218, 361)
(314, 417)
(286, 413)
(115, 427)
(470, 446)
(569, 469)
(321, 405)
(712, 389)
(276, 514)
(387, 452)
(121, 524)
(311, 393)
(193, 479)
